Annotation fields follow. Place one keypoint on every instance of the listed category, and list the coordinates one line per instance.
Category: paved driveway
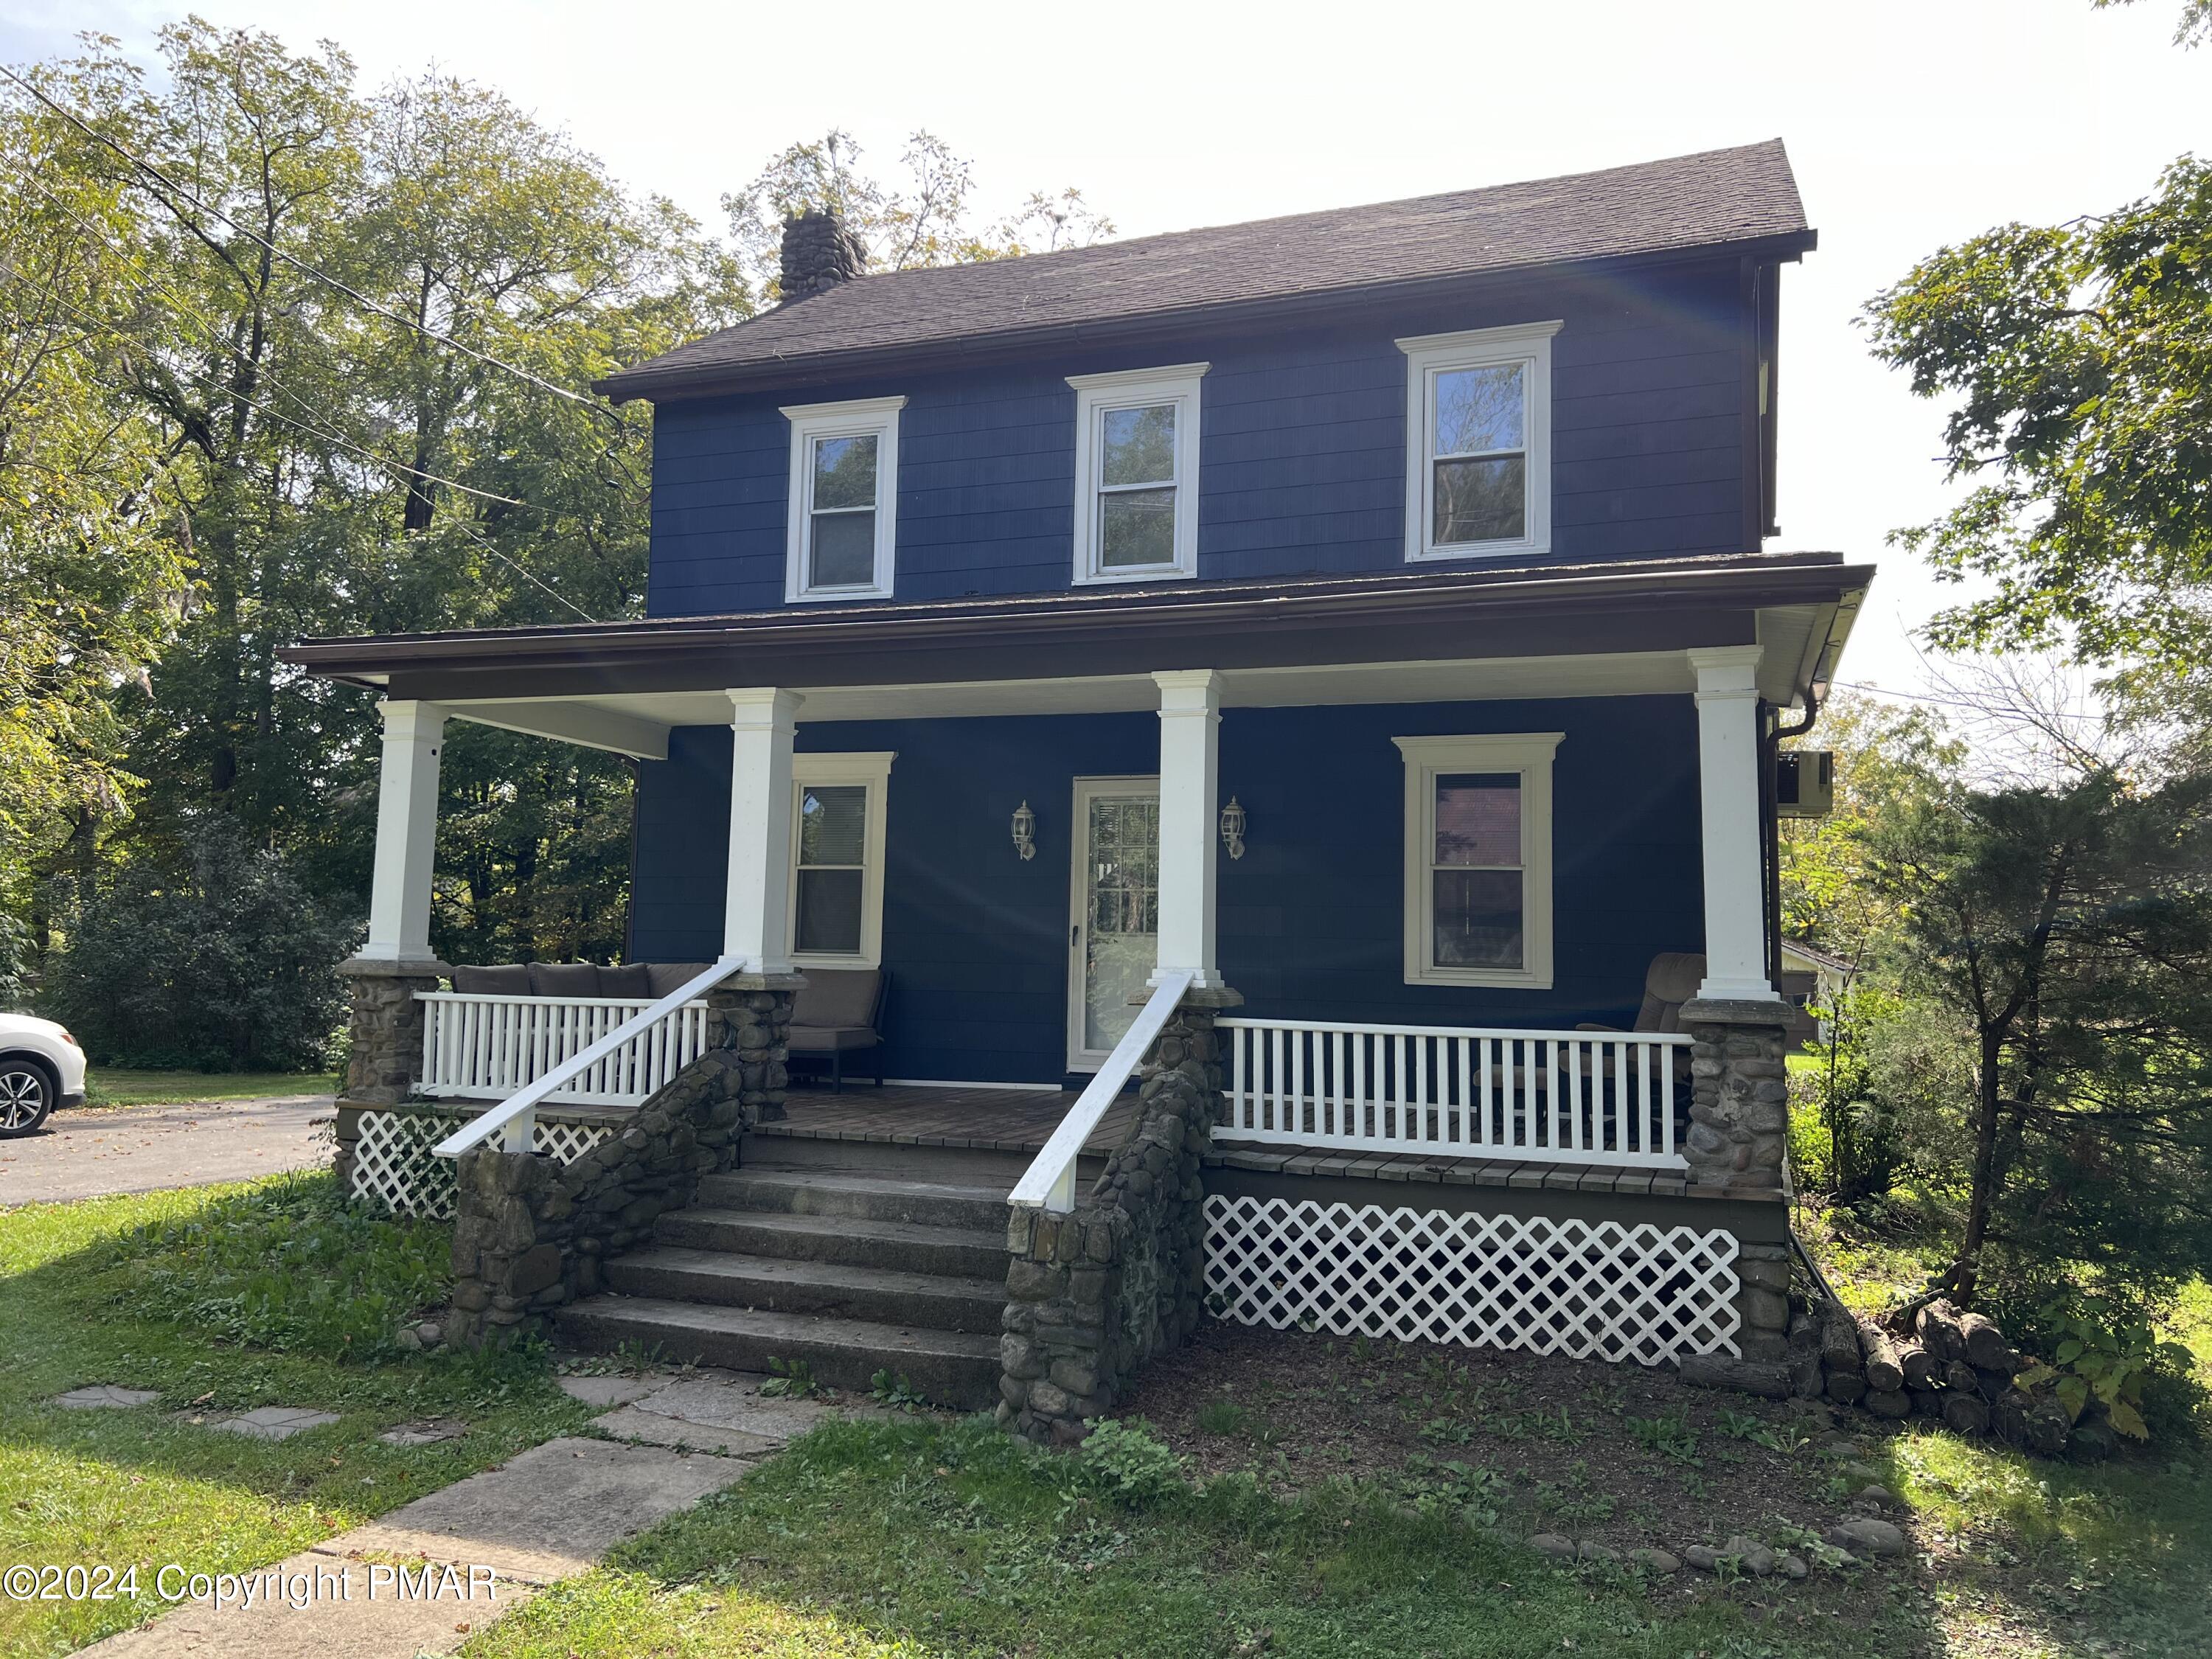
(137, 1149)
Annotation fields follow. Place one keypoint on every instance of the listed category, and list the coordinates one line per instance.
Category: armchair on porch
(840, 1012)
(1671, 981)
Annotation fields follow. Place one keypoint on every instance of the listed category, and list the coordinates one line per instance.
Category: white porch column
(756, 922)
(1728, 779)
(406, 833)
(1190, 731)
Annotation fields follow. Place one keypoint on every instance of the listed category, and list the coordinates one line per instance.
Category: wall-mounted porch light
(1232, 829)
(1025, 831)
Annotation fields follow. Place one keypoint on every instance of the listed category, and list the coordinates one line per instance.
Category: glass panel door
(1115, 937)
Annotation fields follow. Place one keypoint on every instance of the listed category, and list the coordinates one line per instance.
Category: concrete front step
(949, 1368)
(883, 1295)
(956, 1166)
(811, 1191)
(949, 1252)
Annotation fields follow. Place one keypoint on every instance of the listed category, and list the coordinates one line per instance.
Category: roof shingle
(1717, 197)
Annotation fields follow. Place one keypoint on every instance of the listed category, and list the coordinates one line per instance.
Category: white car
(41, 1067)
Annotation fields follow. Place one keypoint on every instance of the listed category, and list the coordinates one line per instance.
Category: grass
(124, 1291)
(118, 1086)
(912, 1538)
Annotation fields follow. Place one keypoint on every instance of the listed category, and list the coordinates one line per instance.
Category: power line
(353, 294)
(370, 455)
(213, 332)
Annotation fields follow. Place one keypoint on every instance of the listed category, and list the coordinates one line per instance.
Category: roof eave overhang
(1681, 605)
(819, 367)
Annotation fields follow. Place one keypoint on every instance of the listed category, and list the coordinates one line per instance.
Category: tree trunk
(1884, 1371)
(1966, 1275)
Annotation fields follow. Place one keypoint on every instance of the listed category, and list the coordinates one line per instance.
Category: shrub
(223, 964)
(289, 1266)
(1123, 1460)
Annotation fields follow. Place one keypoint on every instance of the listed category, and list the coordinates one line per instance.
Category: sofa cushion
(632, 979)
(837, 997)
(663, 977)
(827, 1039)
(564, 979)
(509, 980)
(1671, 981)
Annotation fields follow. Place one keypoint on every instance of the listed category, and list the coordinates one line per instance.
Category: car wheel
(26, 1094)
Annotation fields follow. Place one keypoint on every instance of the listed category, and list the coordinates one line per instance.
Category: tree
(926, 222)
(2068, 929)
(2080, 359)
(2196, 25)
(227, 965)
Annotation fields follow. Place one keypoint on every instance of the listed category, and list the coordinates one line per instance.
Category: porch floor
(1020, 1120)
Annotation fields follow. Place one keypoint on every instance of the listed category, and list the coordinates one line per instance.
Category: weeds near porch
(1670, 1436)
(288, 1264)
(896, 1392)
(791, 1379)
(1125, 1462)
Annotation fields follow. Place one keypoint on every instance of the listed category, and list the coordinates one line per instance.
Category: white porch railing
(1049, 1181)
(649, 1047)
(485, 1048)
(1548, 1096)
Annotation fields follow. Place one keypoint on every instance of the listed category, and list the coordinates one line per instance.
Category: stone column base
(1092, 1295)
(385, 1029)
(755, 1012)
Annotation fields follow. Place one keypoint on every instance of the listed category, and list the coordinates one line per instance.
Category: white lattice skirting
(1590, 1289)
(393, 1162)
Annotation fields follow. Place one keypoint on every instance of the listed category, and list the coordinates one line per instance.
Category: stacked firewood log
(1956, 1368)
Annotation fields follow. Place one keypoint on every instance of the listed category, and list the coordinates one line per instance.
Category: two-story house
(1354, 626)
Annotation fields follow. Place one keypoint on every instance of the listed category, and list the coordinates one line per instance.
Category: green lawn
(126, 1291)
(123, 1085)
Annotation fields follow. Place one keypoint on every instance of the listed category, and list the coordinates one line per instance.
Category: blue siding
(1310, 918)
(1302, 461)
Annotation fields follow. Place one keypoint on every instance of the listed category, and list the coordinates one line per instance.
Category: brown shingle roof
(1721, 196)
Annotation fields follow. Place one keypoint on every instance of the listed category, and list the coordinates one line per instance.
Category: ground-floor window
(1479, 859)
(838, 859)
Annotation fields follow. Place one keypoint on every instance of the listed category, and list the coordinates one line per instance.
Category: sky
(1910, 125)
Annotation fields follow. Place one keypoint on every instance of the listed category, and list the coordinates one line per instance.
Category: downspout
(1770, 837)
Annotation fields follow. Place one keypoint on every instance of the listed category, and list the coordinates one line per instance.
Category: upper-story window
(1479, 442)
(844, 499)
(1136, 474)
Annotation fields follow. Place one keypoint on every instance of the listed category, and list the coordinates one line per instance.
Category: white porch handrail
(1050, 1182)
(1538, 1097)
(514, 1120)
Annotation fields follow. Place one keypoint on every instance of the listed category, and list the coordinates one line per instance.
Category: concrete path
(495, 1540)
(139, 1149)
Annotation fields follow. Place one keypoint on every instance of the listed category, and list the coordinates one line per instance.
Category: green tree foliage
(2195, 28)
(2076, 361)
(2068, 933)
(226, 966)
(927, 221)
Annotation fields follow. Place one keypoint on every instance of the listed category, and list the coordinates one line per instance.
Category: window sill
(831, 595)
(1150, 572)
(1472, 550)
(1488, 979)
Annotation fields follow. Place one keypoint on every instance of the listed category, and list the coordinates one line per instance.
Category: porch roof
(1529, 630)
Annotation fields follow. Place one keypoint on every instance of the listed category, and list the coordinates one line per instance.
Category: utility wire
(351, 293)
(153, 288)
(394, 467)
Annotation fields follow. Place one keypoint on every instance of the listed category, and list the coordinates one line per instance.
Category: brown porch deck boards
(970, 1119)
(1020, 1120)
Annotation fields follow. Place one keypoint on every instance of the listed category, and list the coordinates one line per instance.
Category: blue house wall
(1302, 464)
(976, 939)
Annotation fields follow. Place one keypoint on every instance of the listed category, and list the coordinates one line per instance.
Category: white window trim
(1428, 354)
(1528, 753)
(872, 769)
(1129, 388)
(862, 417)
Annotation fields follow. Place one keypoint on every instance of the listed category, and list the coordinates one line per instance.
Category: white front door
(1112, 938)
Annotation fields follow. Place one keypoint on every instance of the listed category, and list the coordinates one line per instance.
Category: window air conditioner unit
(1805, 783)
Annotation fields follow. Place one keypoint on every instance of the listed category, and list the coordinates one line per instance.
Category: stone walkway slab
(641, 1423)
(105, 1396)
(615, 1390)
(276, 1422)
(733, 1399)
(552, 1511)
(376, 1622)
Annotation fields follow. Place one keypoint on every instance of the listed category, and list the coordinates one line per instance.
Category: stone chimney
(818, 253)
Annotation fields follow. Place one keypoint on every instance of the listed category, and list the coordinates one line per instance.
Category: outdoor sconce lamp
(1025, 831)
(1232, 829)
